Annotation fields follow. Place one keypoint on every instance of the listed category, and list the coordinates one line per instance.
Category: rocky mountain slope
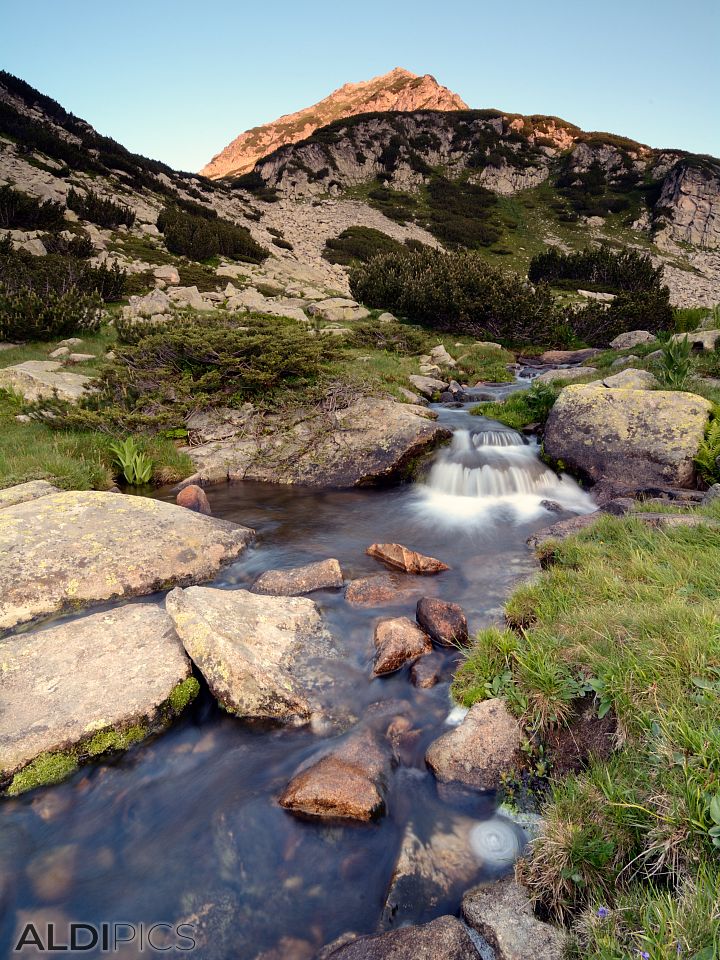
(397, 90)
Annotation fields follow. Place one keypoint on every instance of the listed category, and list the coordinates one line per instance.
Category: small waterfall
(488, 469)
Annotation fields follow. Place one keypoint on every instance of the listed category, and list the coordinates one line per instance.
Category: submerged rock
(502, 914)
(445, 622)
(479, 750)
(84, 687)
(347, 783)
(254, 651)
(427, 671)
(75, 548)
(323, 575)
(397, 642)
(384, 589)
(444, 938)
(397, 556)
(638, 437)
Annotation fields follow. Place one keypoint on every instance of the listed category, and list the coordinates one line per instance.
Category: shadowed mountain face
(398, 90)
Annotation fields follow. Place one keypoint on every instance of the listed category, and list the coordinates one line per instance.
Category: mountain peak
(398, 90)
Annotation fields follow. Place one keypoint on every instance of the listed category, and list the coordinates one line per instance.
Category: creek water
(187, 827)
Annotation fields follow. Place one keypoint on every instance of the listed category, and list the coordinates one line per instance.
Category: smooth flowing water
(187, 827)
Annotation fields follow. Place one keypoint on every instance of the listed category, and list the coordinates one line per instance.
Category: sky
(177, 80)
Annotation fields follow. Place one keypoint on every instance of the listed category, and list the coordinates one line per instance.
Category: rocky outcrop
(370, 441)
(347, 783)
(410, 561)
(442, 939)
(480, 750)
(397, 642)
(689, 203)
(75, 548)
(632, 436)
(258, 654)
(322, 575)
(397, 90)
(43, 380)
(502, 914)
(85, 687)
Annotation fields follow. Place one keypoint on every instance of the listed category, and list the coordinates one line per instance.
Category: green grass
(629, 615)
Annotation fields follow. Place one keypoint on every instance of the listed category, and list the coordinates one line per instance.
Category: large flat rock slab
(84, 687)
(638, 437)
(43, 380)
(371, 441)
(258, 653)
(76, 548)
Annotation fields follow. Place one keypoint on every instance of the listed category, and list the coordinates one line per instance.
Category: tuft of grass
(522, 408)
(629, 615)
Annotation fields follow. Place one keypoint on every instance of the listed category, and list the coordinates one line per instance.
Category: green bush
(458, 292)
(27, 315)
(199, 364)
(58, 273)
(396, 337)
(106, 213)
(79, 246)
(18, 211)
(597, 267)
(597, 324)
(359, 243)
(202, 237)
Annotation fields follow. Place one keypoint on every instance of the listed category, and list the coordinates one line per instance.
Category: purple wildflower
(603, 912)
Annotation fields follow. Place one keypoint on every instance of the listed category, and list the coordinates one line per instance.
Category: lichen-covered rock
(480, 750)
(75, 548)
(397, 556)
(42, 380)
(632, 338)
(257, 653)
(22, 492)
(637, 436)
(502, 914)
(322, 575)
(85, 687)
(630, 379)
(444, 938)
(347, 783)
(397, 642)
(370, 441)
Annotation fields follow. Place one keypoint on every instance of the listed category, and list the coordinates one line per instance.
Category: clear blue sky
(177, 80)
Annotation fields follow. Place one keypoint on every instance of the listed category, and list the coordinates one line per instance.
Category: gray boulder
(480, 750)
(630, 379)
(634, 436)
(257, 653)
(74, 548)
(42, 380)
(502, 914)
(85, 687)
(22, 492)
(632, 338)
(322, 575)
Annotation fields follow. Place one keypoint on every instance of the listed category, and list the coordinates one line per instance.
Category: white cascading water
(491, 471)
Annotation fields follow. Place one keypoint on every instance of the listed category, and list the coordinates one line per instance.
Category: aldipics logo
(108, 938)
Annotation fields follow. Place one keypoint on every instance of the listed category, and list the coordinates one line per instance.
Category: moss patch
(44, 770)
(183, 694)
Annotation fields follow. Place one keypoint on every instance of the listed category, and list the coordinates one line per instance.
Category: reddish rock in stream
(445, 622)
(194, 498)
(400, 557)
(383, 590)
(398, 641)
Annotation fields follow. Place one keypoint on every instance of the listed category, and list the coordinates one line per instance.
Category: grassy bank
(628, 615)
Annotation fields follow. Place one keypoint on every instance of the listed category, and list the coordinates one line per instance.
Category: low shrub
(58, 273)
(199, 364)
(100, 210)
(396, 337)
(597, 267)
(27, 315)
(359, 244)
(597, 324)
(79, 246)
(19, 211)
(201, 237)
(458, 292)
